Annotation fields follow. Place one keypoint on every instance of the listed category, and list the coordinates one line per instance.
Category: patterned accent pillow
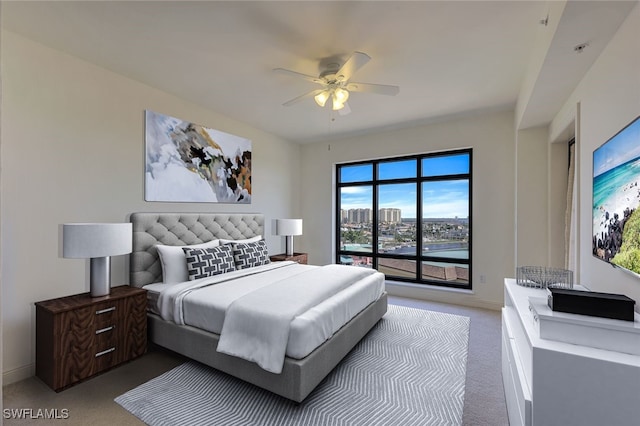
(207, 262)
(250, 254)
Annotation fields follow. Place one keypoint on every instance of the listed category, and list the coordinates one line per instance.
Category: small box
(604, 305)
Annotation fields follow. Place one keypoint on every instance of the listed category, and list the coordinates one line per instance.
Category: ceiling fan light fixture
(336, 84)
(340, 96)
(337, 106)
(321, 98)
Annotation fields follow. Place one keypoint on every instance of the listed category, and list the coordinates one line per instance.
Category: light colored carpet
(410, 370)
(91, 402)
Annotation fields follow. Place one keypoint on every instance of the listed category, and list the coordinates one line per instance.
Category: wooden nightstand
(297, 257)
(80, 336)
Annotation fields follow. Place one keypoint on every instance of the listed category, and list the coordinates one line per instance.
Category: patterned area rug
(409, 370)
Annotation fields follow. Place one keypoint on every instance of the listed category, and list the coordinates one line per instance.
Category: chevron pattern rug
(409, 370)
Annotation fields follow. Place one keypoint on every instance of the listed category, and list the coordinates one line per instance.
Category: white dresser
(550, 382)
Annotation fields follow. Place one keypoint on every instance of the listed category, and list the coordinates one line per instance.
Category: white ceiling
(448, 57)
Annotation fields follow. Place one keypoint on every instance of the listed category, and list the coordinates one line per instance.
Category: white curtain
(570, 213)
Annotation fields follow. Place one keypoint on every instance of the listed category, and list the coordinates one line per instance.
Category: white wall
(608, 98)
(557, 184)
(490, 135)
(73, 151)
(531, 197)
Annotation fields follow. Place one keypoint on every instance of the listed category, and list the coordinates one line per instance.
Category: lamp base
(100, 276)
(289, 245)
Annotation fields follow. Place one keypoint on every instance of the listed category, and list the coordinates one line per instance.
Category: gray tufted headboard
(178, 229)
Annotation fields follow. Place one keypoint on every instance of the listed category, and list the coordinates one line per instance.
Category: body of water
(614, 191)
(448, 250)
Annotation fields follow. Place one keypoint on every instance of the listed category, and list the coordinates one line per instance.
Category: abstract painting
(187, 162)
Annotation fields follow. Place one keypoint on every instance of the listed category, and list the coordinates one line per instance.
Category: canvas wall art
(187, 162)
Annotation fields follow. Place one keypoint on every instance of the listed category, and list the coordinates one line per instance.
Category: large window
(408, 217)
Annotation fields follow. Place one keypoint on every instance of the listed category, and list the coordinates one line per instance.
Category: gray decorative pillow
(250, 254)
(207, 262)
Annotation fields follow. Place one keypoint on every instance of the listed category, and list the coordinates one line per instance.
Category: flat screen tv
(616, 197)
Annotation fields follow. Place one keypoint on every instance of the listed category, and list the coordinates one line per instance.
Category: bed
(302, 369)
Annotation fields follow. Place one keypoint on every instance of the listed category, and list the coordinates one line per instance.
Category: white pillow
(248, 240)
(174, 262)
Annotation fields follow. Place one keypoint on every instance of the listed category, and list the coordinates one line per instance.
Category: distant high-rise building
(389, 215)
(356, 216)
(344, 216)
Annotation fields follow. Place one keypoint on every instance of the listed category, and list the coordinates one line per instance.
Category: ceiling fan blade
(353, 64)
(310, 94)
(345, 109)
(380, 89)
(300, 75)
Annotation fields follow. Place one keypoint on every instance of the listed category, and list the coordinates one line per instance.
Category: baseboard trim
(443, 295)
(18, 374)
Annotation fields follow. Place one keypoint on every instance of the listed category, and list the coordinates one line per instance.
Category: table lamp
(288, 228)
(97, 241)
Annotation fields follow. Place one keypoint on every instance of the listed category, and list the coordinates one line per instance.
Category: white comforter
(256, 326)
(321, 318)
(170, 301)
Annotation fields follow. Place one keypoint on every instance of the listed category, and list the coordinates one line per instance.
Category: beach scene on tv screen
(616, 197)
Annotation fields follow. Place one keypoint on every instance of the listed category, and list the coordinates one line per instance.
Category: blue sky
(618, 150)
(440, 199)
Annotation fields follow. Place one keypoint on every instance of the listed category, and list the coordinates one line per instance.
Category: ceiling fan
(336, 85)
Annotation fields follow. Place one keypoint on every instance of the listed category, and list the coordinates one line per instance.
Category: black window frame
(419, 257)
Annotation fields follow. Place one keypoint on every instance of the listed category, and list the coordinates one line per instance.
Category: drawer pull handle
(105, 352)
(103, 330)
(104, 311)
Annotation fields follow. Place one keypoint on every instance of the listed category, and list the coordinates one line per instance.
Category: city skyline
(365, 215)
(344, 214)
(441, 199)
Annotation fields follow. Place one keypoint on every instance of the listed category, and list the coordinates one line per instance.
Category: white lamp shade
(321, 98)
(288, 226)
(90, 240)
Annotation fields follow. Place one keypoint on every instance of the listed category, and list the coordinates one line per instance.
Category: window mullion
(374, 220)
(419, 250)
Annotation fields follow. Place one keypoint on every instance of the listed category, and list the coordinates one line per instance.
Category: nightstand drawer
(106, 337)
(85, 340)
(105, 314)
(81, 358)
(106, 357)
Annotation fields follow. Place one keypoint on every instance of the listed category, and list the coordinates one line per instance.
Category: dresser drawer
(517, 394)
